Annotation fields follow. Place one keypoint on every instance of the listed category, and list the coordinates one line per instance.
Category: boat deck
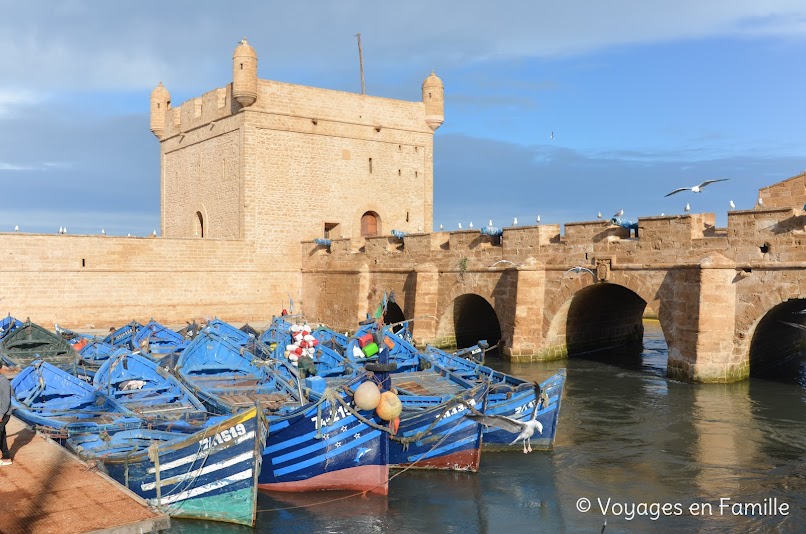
(48, 490)
(426, 383)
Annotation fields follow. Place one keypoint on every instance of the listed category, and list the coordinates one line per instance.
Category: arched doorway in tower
(469, 319)
(199, 225)
(370, 224)
(778, 345)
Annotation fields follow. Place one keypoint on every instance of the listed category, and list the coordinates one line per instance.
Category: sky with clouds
(642, 98)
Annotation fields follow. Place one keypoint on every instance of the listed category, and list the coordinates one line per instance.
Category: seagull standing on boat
(697, 188)
(525, 429)
(619, 213)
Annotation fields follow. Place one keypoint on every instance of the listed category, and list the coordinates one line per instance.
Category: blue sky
(642, 97)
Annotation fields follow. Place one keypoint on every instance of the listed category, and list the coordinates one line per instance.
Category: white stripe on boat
(170, 481)
(201, 454)
(207, 488)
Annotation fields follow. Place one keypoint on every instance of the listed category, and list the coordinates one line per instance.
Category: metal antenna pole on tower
(361, 63)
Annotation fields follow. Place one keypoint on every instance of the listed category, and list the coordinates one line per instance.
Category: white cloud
(189, 45)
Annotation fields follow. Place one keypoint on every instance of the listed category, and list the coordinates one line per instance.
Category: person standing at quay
(5, 415)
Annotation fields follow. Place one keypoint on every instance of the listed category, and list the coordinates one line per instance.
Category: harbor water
(635, 449)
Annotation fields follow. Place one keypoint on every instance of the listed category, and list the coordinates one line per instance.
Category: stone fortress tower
(277, 163)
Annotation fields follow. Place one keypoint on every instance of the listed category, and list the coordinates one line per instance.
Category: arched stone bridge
(720, 294)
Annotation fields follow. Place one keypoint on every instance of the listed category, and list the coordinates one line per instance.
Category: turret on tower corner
(160, 102)
(434, 100)
(244, 74)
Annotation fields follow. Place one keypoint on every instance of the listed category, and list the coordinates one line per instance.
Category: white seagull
(599, 215)
(619, 213)
(760, 202)
(154, 233)
(732, 205)
(697, 188)
(470, 225)
(503, 261)
(580, 269)
(103, 231)
(538, 219)
(440, 227)
(515, 221)
(525, 429)
(460, 226)
(490, 223)
(16, 228)
(687, 208)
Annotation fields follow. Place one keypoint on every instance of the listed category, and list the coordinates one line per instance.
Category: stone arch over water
(777, 349)
(393, 315)
(468, 319)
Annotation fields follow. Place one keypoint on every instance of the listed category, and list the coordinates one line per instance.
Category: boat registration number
(222, 437)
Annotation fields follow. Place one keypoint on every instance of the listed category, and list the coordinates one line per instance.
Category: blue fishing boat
(123, 336)
(211, 474)
(318, 444)
(509, 397)
(157, 340)
(96, 353)
(227, 378)
(135, 383)
(60, 404)
(8, 324)
(31, 342)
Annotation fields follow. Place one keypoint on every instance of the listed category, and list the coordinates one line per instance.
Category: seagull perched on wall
(619, 213)
(732, 205)
(687, 208)
(16, 228)
(760, 202)
(514, 222)
(697, 188)
(525, 429)
(599, 215)
(460, 226)
(538, 219)
(470, 225)
(154, 233)
(440, 227)
(103, 231)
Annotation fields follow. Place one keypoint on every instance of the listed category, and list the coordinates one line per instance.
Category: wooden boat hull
(325, 446)
(210, 475)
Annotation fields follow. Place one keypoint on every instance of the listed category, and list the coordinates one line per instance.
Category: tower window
(330, 228)
(407, 216)
(199, 224)
(415, 149)
(416, 174)
(370, 165)
(241, 66)
(369, 224)
(398, 172)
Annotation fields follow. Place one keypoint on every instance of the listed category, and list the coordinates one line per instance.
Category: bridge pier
(712, 358)
(523, 336)
(426, 295)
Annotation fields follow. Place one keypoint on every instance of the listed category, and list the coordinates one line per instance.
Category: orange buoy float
(367, 396)
(390, 406)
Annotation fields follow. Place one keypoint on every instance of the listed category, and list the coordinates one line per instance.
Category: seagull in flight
(697, 188)
(502, 261)
(525, 429)
(580, 269)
